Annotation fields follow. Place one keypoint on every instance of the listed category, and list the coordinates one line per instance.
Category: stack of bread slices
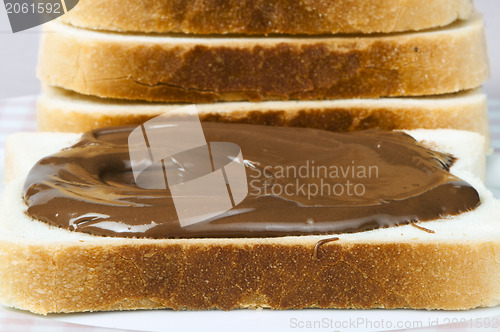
(353, 64)
(339, 65)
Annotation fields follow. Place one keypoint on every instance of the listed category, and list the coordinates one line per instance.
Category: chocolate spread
(300, 182)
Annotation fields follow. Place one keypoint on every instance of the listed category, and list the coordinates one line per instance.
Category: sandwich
(379, 105)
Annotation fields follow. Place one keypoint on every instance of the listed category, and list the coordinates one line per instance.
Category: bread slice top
(266, 17)
(203, 69)
(478, 225)
(61, 110)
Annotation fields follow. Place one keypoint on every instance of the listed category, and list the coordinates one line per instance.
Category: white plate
(288, 320)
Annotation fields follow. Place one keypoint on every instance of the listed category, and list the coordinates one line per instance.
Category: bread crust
(266, 16)
(248, 273)
(65, 111)
(197, 70)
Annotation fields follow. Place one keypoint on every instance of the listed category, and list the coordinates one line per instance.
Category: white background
(18, 53)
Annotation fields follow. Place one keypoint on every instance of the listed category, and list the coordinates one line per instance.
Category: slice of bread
(266, 17)
(46, 269)
(65, 111)
(184, 68)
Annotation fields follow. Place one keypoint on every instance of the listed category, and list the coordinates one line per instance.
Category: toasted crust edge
(246, 274)
(78, 113)
(266, 17)
(176, 70)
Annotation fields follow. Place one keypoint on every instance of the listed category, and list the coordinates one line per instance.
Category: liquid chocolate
(300, 182)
